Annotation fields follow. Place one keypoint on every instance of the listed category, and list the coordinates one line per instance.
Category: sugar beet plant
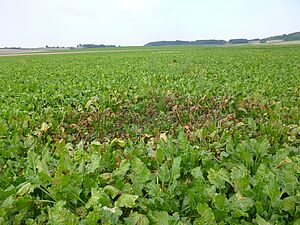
(173, 135)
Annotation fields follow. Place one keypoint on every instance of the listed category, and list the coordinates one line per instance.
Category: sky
(36, 23)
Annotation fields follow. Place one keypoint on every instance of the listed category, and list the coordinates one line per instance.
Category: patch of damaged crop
(158, 115)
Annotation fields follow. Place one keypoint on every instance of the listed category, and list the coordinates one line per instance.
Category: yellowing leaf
(25, 188)
(126, 200)
(45, 127)
(163, 136)
(118, 142)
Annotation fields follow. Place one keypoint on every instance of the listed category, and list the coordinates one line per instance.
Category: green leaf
(98, 198)
(23, 204)
(160, 154)
(240, 178)
(159, 218)
(8, 202)
(218, 178)
(206, 213)
(240, 203)
(94, 164)
(139, 175)
(163, 173)
(153, 189)
(56, 212)
(239, 172)
(126, 200)
(220, 201)
(123, 168)
(137, 219)
(238, 214)
(272, 190)
(288, 204)
(10, 191)
(261, 147)
(112, 191)
(92, 218)
(139, 170)
(260, 221)
(197, 173)
(175, 171)
(259, 207)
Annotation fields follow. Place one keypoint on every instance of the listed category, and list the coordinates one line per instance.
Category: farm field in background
(160, 135)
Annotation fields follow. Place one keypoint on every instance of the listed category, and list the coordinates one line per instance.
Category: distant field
(286, 43)
(160, 135)
(12, 52)
(15, 51)
(20, 52)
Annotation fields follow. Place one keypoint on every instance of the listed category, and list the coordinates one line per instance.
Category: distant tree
(238, 41)
(94, 46)
(179, 42)
(292, 37)
(285, 37)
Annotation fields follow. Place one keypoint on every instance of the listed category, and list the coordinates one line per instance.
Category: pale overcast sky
(34, 23)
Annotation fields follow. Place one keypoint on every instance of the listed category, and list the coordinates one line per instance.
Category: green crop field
(166, 135)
